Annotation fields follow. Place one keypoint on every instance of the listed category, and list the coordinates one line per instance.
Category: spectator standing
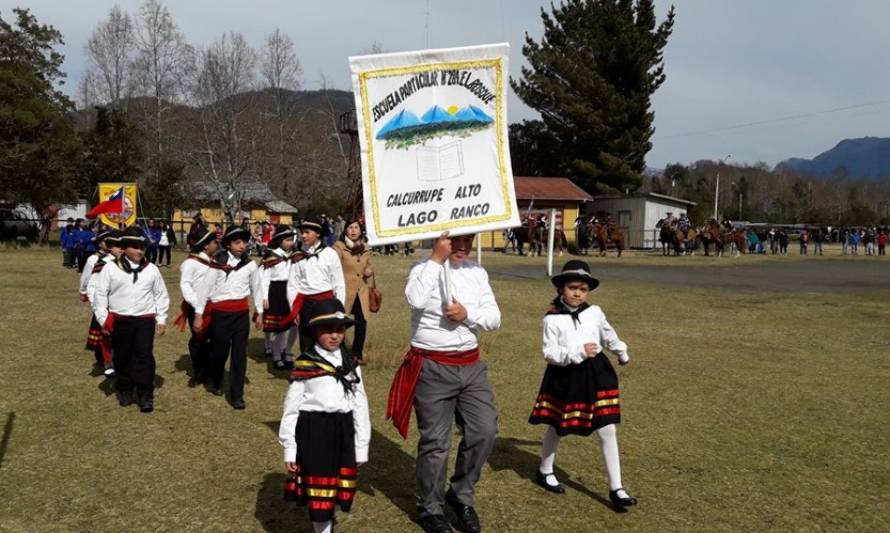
(339, 227)
(845, 240)
(818, 237)
(854, 241)
(196, 230)
(882, 242)
(152, 235)
(67, 243)
(868, 239)
(783, 242)
(804, 239)
(80, 237)
(355, 257)
(166, 242)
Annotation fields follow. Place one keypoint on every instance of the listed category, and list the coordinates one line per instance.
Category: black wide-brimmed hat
(102, 235)
(113, 238)
(235, 232)
(314, 224)
(575, 269)
(132, 236)
(282, 231)
(204, 237)
(329, 312)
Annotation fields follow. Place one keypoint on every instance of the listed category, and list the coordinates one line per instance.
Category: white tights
(323, 527)
(608, 444)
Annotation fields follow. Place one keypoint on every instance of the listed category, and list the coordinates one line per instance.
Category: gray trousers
(442, 392)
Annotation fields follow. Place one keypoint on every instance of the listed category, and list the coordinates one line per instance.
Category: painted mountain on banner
(405, 129)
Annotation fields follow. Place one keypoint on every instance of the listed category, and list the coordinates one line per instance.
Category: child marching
(231, 282)
(273, 317)
(579, 393)
(315, 275)
(131, 303)
(326, 428)
(98, 342)
(193, 283)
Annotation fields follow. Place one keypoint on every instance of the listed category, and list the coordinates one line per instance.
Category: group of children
(325, 429)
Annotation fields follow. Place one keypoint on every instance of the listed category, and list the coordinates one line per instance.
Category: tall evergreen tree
(591, 78)
(39, 147)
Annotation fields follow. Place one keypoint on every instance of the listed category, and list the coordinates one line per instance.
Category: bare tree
(110, 49)
(161, 63)
(222, 91)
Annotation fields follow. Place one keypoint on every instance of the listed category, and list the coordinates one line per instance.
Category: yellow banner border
(498, 65)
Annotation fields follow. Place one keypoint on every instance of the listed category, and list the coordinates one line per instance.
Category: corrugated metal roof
(548, 188)
(277, 206)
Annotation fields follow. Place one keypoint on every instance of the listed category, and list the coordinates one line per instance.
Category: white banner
(433, 131)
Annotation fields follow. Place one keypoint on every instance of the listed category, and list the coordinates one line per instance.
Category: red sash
(182, 318)
(404, 383)
(226, 306)
(294, 316)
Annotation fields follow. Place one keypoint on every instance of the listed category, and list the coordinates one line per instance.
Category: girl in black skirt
(274, 273)
(579, 392)
(325, 429)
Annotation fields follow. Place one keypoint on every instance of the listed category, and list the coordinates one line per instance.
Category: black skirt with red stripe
(578, 399)
(326, 469)
(95, 335)
(278, 309)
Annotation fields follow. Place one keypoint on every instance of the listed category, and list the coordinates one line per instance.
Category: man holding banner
(435, 158)
(442, 376)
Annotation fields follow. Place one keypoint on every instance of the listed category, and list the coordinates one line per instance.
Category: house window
(624, 219)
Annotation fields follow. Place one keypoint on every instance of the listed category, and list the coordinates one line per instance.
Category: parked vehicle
(14, 225)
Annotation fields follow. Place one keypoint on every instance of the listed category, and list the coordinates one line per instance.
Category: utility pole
(717, 188)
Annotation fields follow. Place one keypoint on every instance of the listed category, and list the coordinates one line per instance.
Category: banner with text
(127, 214)
(433, 132)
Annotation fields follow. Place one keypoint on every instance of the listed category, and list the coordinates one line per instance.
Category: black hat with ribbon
(233, 233)
(282, 231)
(329, 313)
(575, 270)
(314, 224)
(203, 238)
(102, 235)
(113, 238)
(132, 237)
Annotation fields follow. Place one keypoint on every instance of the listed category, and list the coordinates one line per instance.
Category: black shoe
(467, 519)
(541, 479)
(125, 398)
(618, 501)
(435, 523)
(267, 354)
(218, 391)
(146, 405)
(280, 365)
(239, 404)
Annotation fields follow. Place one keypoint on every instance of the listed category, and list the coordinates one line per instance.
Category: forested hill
(864, 158)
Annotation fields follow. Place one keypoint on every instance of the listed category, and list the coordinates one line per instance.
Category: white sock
(323, 527)
(609, 445)
(279, 340)
(548, 455)
(292, 335)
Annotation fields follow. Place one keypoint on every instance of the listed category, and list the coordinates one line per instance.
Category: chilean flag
(114, 204)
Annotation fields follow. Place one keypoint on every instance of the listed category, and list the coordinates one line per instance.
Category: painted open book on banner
(433, 133)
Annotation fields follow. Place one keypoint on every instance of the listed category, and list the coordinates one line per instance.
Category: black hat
(132, 236)
(313, 224)
(327, 313)
(204, 237)
(575, 269)
(113, 238)
(282, 231)
(102, 235)
(235, 232)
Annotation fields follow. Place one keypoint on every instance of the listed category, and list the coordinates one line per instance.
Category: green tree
(39, 147)
(591, 78)
(113, 150)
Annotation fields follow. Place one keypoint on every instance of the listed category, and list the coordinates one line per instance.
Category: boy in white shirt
(131, 303)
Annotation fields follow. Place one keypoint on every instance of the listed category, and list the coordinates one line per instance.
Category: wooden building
(258, 204)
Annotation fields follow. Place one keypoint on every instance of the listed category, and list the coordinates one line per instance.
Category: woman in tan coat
(356, 260)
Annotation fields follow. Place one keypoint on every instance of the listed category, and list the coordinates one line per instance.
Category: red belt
(404, 383)
(294, 316)
(182, 318)
(114, 317)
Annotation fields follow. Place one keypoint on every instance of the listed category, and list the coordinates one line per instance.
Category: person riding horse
(684, 224)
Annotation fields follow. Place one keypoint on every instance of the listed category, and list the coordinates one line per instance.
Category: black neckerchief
(221, 262)
(273, 258)
(198, 258)
(308, 255)
(124, 264)
(310, 364)
(559, 307)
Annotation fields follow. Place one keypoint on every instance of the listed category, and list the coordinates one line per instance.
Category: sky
(762, 80)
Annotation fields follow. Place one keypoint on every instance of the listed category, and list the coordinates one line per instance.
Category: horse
(672, 238)
(603, 237)
(535, 235)
(520, 237)
(734, 238)
(583, 238)
(710, 234)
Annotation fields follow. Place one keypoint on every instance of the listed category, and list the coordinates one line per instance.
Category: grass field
(743, 411)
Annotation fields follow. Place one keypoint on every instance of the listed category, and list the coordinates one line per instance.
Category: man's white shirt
(116, 292)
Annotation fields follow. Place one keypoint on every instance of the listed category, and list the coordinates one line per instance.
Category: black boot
(146, 402)
(125, 398)
(467, 519)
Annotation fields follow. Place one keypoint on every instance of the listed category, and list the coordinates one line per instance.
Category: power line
(773, 120)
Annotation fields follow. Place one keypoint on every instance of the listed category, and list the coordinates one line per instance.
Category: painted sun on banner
(433, 133)
(126, 215)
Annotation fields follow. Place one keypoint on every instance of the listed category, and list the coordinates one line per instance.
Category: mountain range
(434, 116)
(863, 158)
